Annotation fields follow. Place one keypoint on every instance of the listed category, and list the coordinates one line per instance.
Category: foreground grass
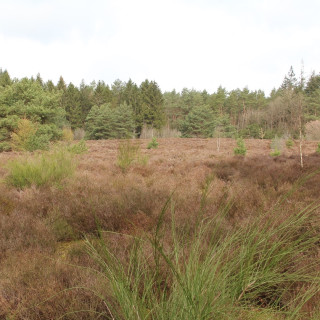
(267, 269)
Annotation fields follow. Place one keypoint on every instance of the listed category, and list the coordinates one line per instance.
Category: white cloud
(178, 43)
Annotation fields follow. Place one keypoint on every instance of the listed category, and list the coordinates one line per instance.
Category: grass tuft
(42, 169)
(127, 154)
(211, 274)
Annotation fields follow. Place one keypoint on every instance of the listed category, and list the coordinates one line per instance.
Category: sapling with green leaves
(241, 149)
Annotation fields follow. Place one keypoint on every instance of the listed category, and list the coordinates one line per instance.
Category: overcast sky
(198, 44)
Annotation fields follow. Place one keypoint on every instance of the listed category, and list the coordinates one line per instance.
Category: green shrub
(78, 148)
(318, 149)
(275, 153)
(5, 146)
(41, 169)
(241, 148)
(153, 144)
(127, 153)
(289, 143)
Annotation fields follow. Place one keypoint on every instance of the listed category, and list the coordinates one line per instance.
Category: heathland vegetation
(95, 225)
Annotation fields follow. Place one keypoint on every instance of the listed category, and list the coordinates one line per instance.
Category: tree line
(123, 109)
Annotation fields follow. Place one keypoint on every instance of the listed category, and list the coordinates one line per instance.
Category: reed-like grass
(265, 270)
(127, 154)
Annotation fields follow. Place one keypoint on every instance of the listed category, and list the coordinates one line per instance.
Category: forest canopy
(125, 109)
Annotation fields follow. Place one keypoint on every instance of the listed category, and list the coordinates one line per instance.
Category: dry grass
(42, 229)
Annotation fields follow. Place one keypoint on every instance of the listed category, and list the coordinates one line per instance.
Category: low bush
(153, 144)
(5, 147)
(275, 153)
(78, 148)
(289, 143)
(41, 169)
(241, 149)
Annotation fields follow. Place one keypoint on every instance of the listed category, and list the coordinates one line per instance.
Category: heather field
(182, 231)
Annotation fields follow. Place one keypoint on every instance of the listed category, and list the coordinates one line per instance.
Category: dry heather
(42, 253)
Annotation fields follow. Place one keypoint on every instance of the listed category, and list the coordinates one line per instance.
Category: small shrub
(67, 135)
(289, 143)
(127, 153)
(5, 146)
(275, 153)
(153, 144)
(318, 149)
(78, 148)
(241, 148)
(39, 170)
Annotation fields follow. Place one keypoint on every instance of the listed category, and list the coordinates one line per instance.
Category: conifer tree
(5, 79)
(198, 123)
(152, 104)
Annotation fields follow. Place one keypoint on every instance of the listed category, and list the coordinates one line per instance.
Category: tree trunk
(300, 146)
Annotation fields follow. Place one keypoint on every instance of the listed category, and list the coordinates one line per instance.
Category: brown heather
(42, 254)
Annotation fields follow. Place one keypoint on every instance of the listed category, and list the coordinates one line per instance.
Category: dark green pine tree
(102, 94)
(124, 125)
(86, 101)
(72, 106)
(5, 79)
(49, 86)
(61, 85)
(190, 99)
(39, 80)
(132, 97)
(217, 101)
(152, 104)
(200, 122)
(313, 83)
(100, 123)
(117, 89)
(172, 108)
(290, 81)
(312, 92)
(105, 122)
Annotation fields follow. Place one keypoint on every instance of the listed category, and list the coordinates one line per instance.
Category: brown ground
(42, 229)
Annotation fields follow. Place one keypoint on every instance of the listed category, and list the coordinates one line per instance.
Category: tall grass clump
(41, 169)
(268, 266)
(127, 154)
(67, 135)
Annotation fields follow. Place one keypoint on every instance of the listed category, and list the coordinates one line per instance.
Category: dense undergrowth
(231, 239)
